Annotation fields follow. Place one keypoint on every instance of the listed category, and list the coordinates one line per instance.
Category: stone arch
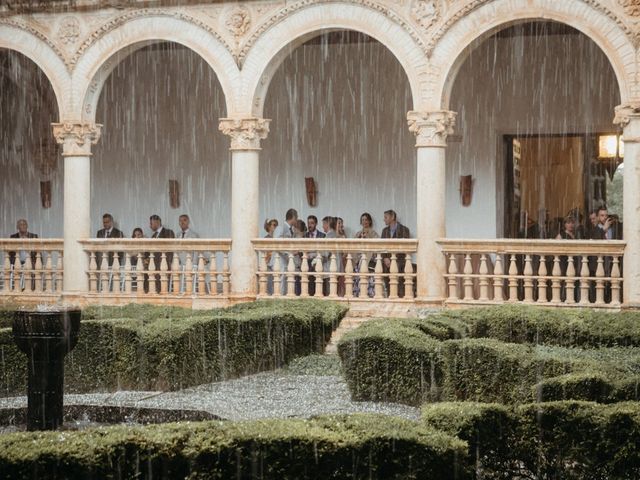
(275, 43)
(99, 60)
(453, 47)
(17, 38)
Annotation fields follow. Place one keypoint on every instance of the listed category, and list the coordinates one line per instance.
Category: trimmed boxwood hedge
(564, 440)
(355, 446)
(449, 357)
(142, 347)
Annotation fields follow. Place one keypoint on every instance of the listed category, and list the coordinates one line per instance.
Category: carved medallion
(425, 13)
(631, 7)
(238, 21)
(69, 31)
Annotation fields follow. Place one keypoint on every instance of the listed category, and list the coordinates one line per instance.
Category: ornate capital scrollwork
(76, 138)
(625, 112)
(245, 133)
(431, 128)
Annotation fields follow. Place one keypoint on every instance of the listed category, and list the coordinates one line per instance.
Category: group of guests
(599, 226)
(108, 229)
(333, 227)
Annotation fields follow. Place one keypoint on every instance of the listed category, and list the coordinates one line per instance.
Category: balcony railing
(31, 267)
(548, 272)
(340, 268)
(158, 267)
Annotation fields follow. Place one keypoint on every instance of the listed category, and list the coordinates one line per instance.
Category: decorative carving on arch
(426, 13)
(116, 22)
(238, 21)
(69, 31)
(630, 7)
(27, 27)
(245, 133)
(296, 6)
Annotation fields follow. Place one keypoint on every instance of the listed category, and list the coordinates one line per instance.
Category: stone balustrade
(31, 268)
(341, 268)
(547, 272)
(158, 267)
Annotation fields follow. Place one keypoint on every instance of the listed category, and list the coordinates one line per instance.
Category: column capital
(431, 128)
(626, 112)
(245, 133)
(76, 138)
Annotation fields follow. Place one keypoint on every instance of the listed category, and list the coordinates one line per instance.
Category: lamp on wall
(610, 151)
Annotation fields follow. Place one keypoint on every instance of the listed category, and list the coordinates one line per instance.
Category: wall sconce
(310, 186)
(610, 152)
(45, 193)
(466, 189)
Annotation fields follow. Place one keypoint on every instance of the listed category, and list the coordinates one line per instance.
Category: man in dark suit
(23, 233)
(312, 233)
(394, 229)
(155, 223)
(108, 231)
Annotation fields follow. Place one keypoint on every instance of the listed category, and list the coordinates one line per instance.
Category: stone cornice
(245, 133)
(76, 138)
(431, 128)
(626, 112)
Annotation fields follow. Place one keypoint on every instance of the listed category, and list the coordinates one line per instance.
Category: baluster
(408, 274)
(348, 276)
(542, 282)
(291, 276)
(453, 278)
(484, 279)
(600, 281)
(140, 278)
(27, 270)
(556, 272)
(38, 273)
(513, 279)
(584, 281)
(225, 275)
(6, 284)
(277, 275)
(333, 277)
(202, 274)
(263, 279)
(188, 275)
(363, 278)
(103, 275)
(498, 294)
(59, 272)
(304, 276)
(116, 273)
(128, 275)
(48, 275)
(467, 280)
(176, 274)
(164, 274)
(93, 279)
(152, 276)
(17, 273)
(319, 276)
(570, 282)
(378, 288)
(528, 279)
(615, 282)
(393, 277)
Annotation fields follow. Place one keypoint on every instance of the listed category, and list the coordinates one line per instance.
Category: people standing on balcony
(592, 224)
(301, 228)
(568, 231)
(340, 233)
(155, 224)
(367, 231)
(108, 230)
(23, 233)
(312, 233)
(185, 232)
(289, 231)
(394, 229)
(185, 227)
(329, 225)
(136, 234)
(606, 229)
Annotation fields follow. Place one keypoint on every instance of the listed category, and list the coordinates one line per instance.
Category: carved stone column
(628, 117)
(245, 134)
(431, 130)
(76, 140)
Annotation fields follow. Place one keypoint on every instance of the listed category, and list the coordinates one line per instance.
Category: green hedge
(143, 347)
(554, 440)
(434, 359)
(356, 446)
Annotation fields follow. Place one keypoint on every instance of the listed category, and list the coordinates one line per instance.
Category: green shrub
(488, 429)
(141, 347)
(357, 446)
(386, 360)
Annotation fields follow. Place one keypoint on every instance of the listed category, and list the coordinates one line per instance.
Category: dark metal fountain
(46, 336)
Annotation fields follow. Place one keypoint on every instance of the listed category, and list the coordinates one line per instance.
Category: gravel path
(265, 395)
